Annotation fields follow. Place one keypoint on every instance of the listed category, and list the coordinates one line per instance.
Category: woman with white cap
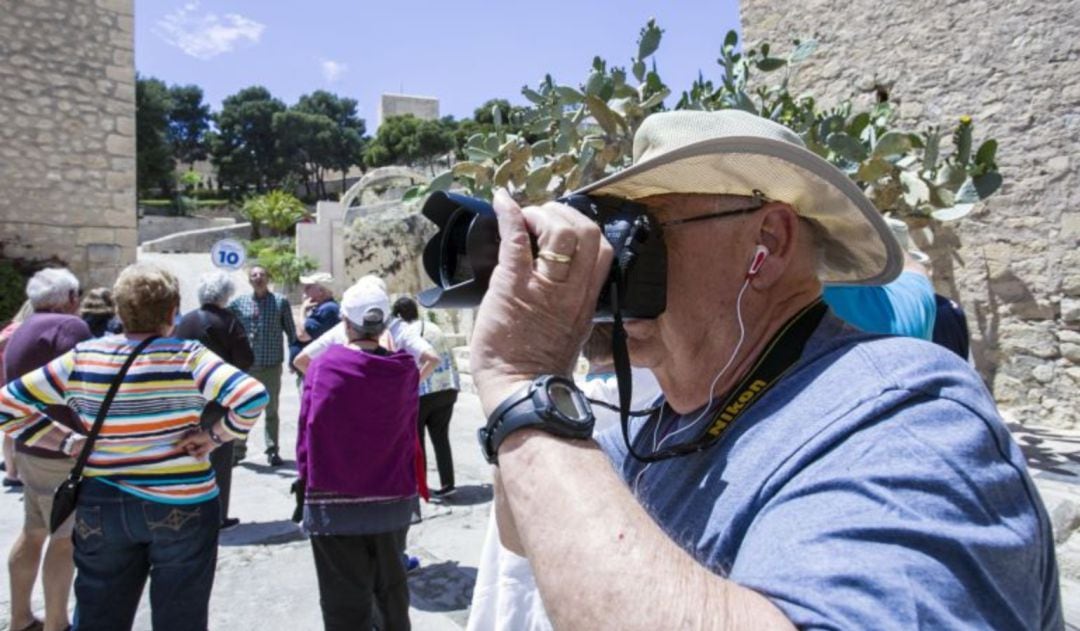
(356, 458)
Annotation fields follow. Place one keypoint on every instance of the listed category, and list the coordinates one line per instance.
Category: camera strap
(781, 353)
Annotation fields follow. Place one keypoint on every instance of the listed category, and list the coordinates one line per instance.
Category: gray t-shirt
(875, 486)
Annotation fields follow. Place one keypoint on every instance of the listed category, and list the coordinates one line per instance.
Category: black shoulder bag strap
(67, 494)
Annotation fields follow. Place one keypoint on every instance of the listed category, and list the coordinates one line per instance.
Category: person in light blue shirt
(906, 306)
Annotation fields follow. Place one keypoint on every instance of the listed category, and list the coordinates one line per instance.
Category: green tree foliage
(409, 140)
(153, 154)
(12, 291)
(574, 134)
(245, 148)
(322, 132)
(277, 210)
(278, 256)
(189, 122)
(484, 120)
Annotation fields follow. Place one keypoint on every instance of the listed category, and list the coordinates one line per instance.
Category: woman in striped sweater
(149, 504)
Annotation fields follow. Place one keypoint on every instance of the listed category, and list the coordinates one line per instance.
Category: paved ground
(266, 576)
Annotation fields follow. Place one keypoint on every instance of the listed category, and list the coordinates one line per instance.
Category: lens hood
(461, 257)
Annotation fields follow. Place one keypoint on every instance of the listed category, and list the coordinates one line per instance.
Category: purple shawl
(357, 430)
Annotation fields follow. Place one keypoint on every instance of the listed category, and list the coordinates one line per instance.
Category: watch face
(568, 401)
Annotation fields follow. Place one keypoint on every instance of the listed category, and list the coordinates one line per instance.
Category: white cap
(374, 279)
(365, 304)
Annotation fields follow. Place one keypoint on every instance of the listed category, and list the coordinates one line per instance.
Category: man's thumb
(515, 251)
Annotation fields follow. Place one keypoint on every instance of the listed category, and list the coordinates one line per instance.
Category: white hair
(51, 288)
(215, 288)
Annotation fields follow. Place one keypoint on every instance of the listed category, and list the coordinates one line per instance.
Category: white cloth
(505, 595)
(403, 337)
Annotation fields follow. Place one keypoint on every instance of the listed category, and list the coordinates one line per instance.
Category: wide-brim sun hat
(731, 152)
(318, 278)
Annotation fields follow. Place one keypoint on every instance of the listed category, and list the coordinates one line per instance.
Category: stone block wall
(1014, 264)
(67, 134)
(153, 227)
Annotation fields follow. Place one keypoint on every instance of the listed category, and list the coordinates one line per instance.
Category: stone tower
(1014, 264)
(67, 134)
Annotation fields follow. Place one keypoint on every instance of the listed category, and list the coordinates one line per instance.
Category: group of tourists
(159, 406)
(790, 455)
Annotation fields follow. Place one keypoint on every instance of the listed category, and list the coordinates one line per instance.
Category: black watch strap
(522, 410)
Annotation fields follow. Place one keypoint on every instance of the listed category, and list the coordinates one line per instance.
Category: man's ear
(777, 232)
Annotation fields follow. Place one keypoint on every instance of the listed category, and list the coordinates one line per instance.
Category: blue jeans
(121, 539)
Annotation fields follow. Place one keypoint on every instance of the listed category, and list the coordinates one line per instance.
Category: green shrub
(277, 210)
(12, 290)
(278, 256)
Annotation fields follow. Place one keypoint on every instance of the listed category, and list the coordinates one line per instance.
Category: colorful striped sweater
(159, 401)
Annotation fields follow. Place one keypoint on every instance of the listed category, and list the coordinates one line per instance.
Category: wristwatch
(550, 403)
(214, 438)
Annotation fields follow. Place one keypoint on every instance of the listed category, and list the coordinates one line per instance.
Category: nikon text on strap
(780, 354)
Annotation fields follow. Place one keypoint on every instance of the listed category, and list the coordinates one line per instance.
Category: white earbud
(760, 254)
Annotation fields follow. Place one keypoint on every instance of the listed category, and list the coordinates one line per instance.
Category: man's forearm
(598, 556)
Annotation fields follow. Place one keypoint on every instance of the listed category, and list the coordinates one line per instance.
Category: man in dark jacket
(220, 331)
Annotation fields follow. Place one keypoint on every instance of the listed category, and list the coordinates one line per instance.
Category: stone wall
(199, 240)
(1014, 263)
(422, 107)
(67, 134)
(154, 227)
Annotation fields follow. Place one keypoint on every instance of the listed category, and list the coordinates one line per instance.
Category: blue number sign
(228, 254)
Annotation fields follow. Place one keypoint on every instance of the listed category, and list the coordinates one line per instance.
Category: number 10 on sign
(228, 254)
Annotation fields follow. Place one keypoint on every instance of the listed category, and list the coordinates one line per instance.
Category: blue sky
(461, 52)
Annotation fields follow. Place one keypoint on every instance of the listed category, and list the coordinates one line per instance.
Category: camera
(462, 255)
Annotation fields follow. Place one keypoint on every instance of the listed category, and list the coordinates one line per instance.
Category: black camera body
(462, 256)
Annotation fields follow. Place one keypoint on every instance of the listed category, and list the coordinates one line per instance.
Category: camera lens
(457, 267)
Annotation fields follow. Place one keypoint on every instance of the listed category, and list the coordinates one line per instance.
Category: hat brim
(316, 279)
(858, 246)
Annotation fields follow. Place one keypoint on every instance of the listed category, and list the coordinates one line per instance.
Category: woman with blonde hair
(148, 506)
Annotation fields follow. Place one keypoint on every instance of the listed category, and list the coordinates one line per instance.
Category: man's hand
(306, 305)
(538, 309)
(197, 443)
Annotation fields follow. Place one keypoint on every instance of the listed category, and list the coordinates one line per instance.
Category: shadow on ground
(469, 495)
(262, 533)
(1047, 450)
(442, 587)
(287, 470)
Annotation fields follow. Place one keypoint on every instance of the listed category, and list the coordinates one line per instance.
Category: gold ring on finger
(554, 257)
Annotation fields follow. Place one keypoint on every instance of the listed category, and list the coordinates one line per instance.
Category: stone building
(422, 107)
(67, 134)
(1014, 264)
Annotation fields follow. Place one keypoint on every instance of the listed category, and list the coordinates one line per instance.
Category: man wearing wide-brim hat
(798, 471)
(319, 310)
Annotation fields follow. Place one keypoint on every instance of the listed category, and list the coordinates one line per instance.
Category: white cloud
(332, 70)
(208, 35)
